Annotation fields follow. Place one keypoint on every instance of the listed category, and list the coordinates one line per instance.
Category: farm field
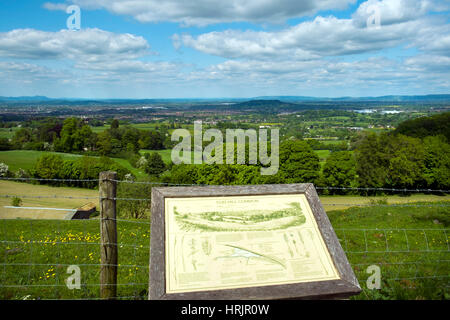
(407, 243)
(142, 126)
(329, 202)
(19, 189)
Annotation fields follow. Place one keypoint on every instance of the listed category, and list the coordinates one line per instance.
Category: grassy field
(143, 126)
(25, 159)
(8, 132)
(165, 154)
(323, 155)
(52, 246)
(345, 202)
(329, 202)
(409, 244)
(19, 188)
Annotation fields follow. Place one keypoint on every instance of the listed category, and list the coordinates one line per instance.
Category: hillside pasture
(26, 159)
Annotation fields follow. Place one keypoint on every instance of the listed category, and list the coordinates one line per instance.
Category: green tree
(372, 161)
(392, 161)
(104, 144)
(406, 162)
(151, 140)
(182, 174)
(130, 138)
(49, 166)
(136, 209)
(426, 126)
(115, 124)
(83, 138)
(4, 144)
(22, 136)
(437, 162)
(155, 164)
(339, 170)
(298, 162)
(66, 141)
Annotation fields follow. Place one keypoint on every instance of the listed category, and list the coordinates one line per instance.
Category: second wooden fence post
(108, 235)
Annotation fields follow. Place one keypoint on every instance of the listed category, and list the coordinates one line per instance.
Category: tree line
(399, 159)
(74, 135)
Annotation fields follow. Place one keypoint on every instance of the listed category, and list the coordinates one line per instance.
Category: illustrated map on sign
(215, 243)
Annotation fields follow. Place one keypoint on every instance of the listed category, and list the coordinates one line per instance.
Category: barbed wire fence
(40, 256)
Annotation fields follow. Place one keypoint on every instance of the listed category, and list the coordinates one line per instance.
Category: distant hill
(390, 98)
(243, 102)
(25, 98)
(426, 126)
(261, 104)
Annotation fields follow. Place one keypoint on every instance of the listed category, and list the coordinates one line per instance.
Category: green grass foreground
(409, 244)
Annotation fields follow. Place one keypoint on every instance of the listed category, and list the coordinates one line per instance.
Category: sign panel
(230, 241)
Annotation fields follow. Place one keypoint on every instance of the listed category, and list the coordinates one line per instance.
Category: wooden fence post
(108, 235)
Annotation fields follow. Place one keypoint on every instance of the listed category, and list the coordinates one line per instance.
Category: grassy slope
(26, 159)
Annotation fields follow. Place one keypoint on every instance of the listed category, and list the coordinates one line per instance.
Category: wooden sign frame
(347, 284)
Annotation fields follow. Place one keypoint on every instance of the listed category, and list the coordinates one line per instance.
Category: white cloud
(324, 36)
(403, 22)
(325, 56)
(394, 11)
(426, 64)
(19, 71)
(55, 6)
(85, 44)
(204, 12)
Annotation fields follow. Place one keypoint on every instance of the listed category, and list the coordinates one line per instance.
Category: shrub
(16, 202)
(136, 209)
(21, 173)
(4, 170)
(155, 165)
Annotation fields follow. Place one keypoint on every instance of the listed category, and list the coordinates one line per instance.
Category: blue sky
(211, 48)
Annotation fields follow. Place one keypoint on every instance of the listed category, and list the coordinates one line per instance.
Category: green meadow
(26, 159)
(410, 245)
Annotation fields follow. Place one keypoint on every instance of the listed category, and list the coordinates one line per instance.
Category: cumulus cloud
(394, 11)
(323, 56)
(329, 77)
(402, 22)
(86, 44)
(204, 12)
(324, 36)
(92, 54)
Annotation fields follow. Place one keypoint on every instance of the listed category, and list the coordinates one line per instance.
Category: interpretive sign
(245, 242)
